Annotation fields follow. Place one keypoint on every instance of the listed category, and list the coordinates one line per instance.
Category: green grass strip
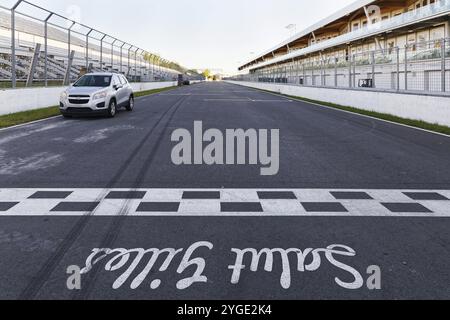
(14, 119)
(384, 116)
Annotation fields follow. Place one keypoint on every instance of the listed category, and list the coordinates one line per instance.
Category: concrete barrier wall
(433, 109)
(17, 100)
(144, 86)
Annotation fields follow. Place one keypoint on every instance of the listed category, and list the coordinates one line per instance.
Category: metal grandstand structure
(45, 48)
(420, 68)
(399, 46)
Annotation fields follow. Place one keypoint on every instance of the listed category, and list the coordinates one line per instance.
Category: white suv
(97, 93)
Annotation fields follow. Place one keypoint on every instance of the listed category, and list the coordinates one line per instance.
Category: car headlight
(63, 96)
(100, 95)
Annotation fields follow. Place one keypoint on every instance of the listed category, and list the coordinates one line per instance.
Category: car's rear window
(93, 81)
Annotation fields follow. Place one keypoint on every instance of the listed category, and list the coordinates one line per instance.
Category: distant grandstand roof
(346, 11)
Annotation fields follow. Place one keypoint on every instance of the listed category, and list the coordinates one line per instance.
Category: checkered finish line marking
(225, 202)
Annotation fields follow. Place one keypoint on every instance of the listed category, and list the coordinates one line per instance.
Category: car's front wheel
(112, 109)
(130, 105)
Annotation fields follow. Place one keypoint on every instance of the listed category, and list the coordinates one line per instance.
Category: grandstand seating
(30, 32)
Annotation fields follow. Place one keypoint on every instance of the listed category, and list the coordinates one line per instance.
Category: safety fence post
(397, 50)
(443, 84)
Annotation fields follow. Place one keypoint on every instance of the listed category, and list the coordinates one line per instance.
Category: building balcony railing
(423, 69)
(440, 8)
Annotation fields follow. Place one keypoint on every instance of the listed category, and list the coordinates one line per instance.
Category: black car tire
(130, 105)
(112, 109)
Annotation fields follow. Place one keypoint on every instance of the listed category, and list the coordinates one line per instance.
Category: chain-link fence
(41, 48)
(419, 67)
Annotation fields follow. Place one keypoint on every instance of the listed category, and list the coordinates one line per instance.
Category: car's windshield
(93, 81)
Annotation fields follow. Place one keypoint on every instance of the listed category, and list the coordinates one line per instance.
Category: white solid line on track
(29, 123)
(56, 117)
(354, 113)
(246, 100)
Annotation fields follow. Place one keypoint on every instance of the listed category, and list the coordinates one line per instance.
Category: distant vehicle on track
(97, 94)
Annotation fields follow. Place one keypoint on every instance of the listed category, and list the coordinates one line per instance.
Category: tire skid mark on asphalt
(30, 130)
(32, 289)
(118, 220)
(38, 281)
(14, 165)
(102, 134)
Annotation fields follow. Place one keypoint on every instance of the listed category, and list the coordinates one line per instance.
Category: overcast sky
(199, 33)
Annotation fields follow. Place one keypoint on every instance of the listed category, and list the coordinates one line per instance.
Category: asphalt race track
(69, 186)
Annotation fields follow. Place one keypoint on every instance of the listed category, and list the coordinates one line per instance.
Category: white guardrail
(432, 109)
(17, 100)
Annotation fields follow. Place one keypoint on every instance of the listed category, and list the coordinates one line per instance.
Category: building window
(422, 39)
(412, 42)
(437, 34)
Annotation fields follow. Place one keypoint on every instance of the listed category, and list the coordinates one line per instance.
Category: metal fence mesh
(49, 49)
(419, 67)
